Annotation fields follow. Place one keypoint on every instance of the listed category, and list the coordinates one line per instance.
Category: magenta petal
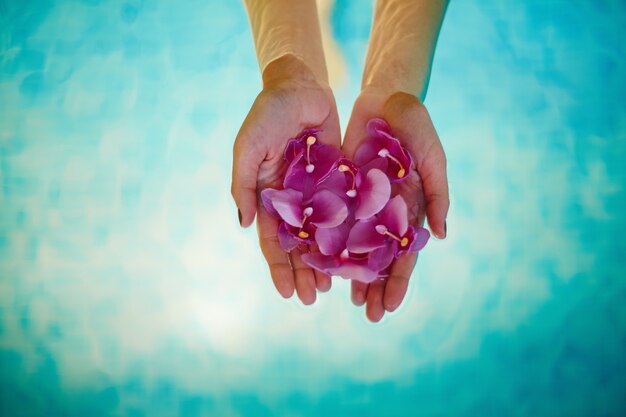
(301, 178)
(325, 160)
(396, 149)
(377, 125)
(420, 239)
(287, 241)
(297, 178)
(380, 137)
(288, 204)
(363, 237)
(332, 241)
(336, 182)
(376, 163)
(373, 194)
(266, 197)
(334, 266)
(367, 151)
(298, 144)
(381, 258)
(329, 210)
(321, 262)
(356, 272)
(395, 216)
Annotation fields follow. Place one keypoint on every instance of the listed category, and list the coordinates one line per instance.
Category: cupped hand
(425, 191)
(291, 100)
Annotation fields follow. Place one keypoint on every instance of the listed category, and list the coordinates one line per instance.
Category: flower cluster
(346, 207)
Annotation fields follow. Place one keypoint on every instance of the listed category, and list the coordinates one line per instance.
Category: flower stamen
(382, 229)
(384, 153)
(306, 213)
(310, 141)
(345, 168)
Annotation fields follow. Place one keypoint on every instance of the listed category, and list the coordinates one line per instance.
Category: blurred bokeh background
(127, 287)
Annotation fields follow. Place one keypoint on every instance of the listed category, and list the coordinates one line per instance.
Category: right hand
(425, 190)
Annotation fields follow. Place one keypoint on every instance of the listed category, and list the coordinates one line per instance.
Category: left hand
(292, 100)
(425, 191)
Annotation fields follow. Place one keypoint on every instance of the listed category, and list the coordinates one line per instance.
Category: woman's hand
(292, 100)
(425, 191)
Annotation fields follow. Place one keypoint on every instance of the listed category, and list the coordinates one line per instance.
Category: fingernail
(239, 214)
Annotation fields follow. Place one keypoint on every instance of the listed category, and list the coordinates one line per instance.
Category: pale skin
(296, 96)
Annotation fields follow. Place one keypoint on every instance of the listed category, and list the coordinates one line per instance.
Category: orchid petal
(298, 144)
(381, 258)
(396, 149)
(329, 210)
(288, 204)
(296, 176)
(334, 266)
(331, 241)
(367, 151)
(420, 239)
(356, 272)
(287, 241)
(395, 216)
(266, 198)
(380, 137)
(376, 126)
(363, 237)
(373, 194)
(323, 160)
(336, 182)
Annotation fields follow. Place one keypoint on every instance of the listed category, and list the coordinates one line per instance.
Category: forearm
(287, 27)
(399, 57)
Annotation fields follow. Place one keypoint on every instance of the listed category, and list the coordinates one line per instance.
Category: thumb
(246, 161)
(432, 170)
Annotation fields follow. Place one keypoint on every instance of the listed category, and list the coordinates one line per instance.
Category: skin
(296, 96)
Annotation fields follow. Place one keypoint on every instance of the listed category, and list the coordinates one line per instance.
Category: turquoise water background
(128, 289)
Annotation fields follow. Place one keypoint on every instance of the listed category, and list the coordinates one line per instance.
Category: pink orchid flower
(383, 151)
(344, 207)
(334, 259)
(365, 194)
(310, 162)
(388, 228)
(301, 217)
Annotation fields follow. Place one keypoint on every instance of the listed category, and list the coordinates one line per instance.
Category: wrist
(375, 98)
(402, 81)
(287, 68)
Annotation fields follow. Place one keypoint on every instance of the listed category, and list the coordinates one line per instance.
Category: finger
(276, 258)
(322, 281)
(374, 309)
(358, 293)
(398, 281)
(305, 279)
(247, 157)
